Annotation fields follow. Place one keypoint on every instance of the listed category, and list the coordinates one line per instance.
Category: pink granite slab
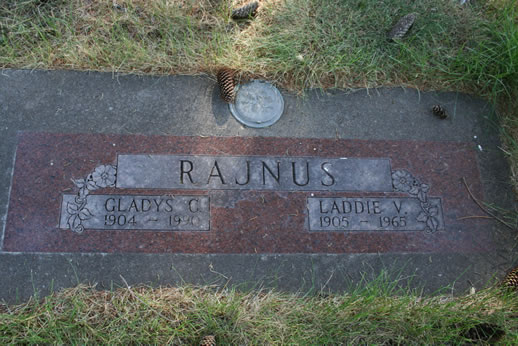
(240, 221)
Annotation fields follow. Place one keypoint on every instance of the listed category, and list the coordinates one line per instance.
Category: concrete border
(92, 102)
(42, 274)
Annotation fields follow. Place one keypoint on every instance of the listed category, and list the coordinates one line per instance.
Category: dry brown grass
(184, 315)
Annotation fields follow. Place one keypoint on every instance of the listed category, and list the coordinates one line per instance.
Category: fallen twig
(474, 217)
(484, 209)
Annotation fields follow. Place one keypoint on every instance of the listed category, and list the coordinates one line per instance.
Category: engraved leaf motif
(433, 211)
(74, 221)
(90, 185)
(79, 182)
(422, 196)
(422, 217)
(72, 208)
(414, 190)
(432, 223)
(83, 193)
(85, 214)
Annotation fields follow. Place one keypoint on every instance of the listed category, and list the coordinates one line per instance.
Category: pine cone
(245, 11)
(440, 112)
(511, 279)
(208, 340)
(227, 84)
(401, 28)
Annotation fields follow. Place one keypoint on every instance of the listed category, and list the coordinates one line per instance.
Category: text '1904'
(127, 212)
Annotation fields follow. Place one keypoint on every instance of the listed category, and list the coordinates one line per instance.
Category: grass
(297, 44)
(375, 314)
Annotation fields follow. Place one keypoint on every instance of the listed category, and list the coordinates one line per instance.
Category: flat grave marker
(159, 194)
(395, 202)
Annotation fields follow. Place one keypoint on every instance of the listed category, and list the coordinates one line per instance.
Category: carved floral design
(428, 215)
(403, 181)
(103, 176)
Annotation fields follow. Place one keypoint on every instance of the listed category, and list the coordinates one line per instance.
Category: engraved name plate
(375, 214)
(133, 212)
(257, 172)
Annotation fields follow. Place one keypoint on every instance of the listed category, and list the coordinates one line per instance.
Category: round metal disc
(257, 104)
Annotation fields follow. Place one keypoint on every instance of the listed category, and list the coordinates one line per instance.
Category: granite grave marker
(112, 193)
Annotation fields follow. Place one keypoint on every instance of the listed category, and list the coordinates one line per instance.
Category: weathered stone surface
(396, 119)
(61, 199)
